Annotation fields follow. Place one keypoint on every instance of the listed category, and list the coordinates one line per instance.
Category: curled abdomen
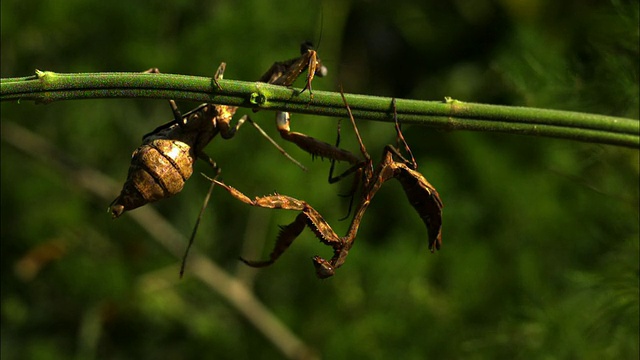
(158, 170)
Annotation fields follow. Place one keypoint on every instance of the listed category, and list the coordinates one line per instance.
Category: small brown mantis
(164, 162)
(421, 194)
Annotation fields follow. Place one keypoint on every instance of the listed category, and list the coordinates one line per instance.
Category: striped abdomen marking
(158, 170)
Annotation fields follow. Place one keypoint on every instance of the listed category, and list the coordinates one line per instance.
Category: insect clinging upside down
(421, 194)
(164, 162)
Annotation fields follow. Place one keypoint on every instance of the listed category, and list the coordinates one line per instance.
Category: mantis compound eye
(322, 71)
(283, 119)
(323, 268)
(116, 210)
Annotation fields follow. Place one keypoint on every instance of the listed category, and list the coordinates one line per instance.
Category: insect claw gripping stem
(400, 137)
(219, 74)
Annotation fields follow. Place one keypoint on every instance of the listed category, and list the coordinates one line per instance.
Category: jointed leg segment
(308, 217)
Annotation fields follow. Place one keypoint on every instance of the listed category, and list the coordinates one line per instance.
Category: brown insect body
(286, 72)
(164, 162)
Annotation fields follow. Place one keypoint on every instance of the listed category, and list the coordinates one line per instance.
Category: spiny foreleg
(313, 146)
(308, 217)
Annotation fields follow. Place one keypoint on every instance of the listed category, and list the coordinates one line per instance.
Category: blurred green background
(540, 239)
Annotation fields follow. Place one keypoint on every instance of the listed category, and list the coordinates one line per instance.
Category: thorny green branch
(45, 87)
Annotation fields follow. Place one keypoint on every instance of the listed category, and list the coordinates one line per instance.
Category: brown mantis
(421, 194)
(164, 162)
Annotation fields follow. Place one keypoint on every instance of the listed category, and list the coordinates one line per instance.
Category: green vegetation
(540, 255)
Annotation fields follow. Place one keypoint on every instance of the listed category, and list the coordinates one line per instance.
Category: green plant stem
(45, 87)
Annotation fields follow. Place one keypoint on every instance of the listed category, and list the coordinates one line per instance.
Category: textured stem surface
(449, 114)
